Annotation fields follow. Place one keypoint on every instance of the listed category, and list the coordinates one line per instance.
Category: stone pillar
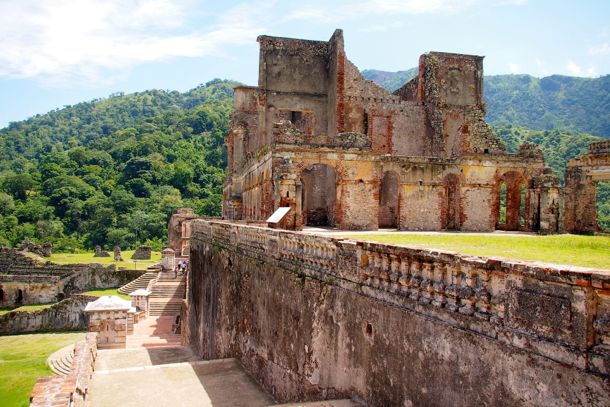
(168, 259)
(139, 300)
(108, 316)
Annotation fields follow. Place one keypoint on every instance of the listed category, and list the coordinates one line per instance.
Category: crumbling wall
(66, 315)
(312, 106)
(315, 318)
(581, 176)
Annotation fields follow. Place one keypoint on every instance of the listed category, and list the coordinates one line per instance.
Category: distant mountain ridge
(552, 102)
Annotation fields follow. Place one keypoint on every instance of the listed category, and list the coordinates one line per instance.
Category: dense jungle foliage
(112, 171)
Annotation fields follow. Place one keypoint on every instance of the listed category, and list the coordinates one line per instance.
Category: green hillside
(112, 171)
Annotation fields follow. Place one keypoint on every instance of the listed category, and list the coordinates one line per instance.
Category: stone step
(60, 362)
(138, 283)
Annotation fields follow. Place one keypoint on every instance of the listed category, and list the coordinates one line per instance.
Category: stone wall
(71, 390)
(581, 176)
(315, 318)
(66, 315)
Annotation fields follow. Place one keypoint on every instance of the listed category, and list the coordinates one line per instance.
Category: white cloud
(383, 27)
(514, 68)
(576, 70)
(513, 2)
(324, 12)
(97, 40)
(600, 50)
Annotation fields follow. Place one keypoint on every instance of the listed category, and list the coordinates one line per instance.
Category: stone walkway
(155, 371)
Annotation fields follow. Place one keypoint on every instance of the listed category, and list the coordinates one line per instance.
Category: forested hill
(112, 171)
(554, 102)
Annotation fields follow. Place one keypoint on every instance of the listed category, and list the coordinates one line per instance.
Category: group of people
(182, 266)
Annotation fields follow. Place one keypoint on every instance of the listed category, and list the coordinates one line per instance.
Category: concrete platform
(217, 383)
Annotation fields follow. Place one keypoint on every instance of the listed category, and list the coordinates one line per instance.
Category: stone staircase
(166, 297)
(60, 361)
(138, 283)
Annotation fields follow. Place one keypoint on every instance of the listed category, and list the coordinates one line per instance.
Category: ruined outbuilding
(179, 231)
(343, 152)
(582, 175)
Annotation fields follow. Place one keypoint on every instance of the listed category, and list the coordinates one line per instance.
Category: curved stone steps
(60, 361)
(140, 282)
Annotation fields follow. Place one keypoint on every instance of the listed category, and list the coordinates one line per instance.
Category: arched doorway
(1, 296)
(19, 297)
(319, 195)
(388, 200)
(452, 203)
(512, 202)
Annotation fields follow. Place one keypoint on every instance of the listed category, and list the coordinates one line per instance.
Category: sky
(60, 52)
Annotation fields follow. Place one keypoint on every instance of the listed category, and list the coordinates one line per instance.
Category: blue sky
(61, 52)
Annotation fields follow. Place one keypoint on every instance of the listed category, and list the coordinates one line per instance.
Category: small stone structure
(179, 231)
(142, 253)
(117, 253)
(313, 318)
(139, 300)
(43, 250)
(581, 176)
(168, 259)
(100, 253)
(71, 390)
(108, 316)
(343, 152)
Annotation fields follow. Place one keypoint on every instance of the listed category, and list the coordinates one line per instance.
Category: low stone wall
(66, 315)
(71, 390)
(312, 318)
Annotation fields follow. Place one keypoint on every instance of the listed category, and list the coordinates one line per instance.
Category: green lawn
(586, 251)
(34, 307)
(23, 360)
(88, 258)
(107, 291)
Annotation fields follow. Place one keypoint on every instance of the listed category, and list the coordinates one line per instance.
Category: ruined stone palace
(341, 151)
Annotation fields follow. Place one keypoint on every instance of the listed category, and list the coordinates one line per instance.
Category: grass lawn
(586, 251)
(34, 307)
(23, 359)
(88, 258)
(107, 291)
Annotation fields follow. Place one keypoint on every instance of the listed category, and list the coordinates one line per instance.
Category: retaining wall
(313, 318)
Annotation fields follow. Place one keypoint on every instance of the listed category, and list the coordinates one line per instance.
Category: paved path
(154, 370)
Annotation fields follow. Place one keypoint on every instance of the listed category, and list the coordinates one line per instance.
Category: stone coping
(109, 303)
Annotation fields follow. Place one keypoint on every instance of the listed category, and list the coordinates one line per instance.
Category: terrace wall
(314, 318)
